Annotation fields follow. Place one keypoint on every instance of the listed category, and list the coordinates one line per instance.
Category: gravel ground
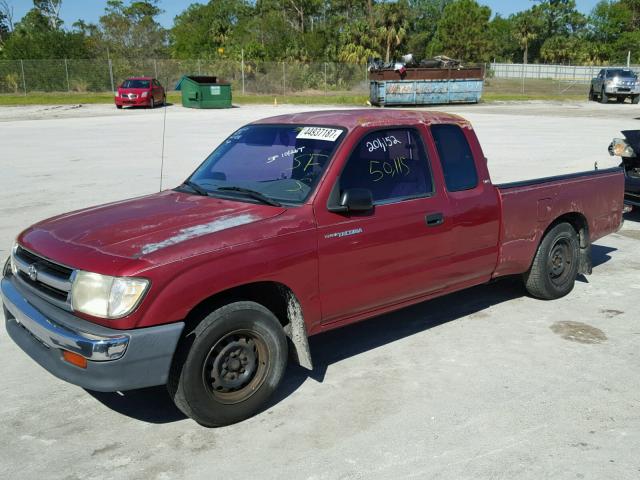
(487, 383)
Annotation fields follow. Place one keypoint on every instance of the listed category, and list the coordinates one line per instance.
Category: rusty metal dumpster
(426, 86)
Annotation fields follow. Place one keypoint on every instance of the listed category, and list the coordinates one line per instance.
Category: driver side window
(392, 164)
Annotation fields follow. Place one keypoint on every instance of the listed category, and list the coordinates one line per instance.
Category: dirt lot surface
(486, 383)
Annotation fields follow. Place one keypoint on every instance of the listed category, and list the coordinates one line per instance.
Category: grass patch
(175, 97)
(496, 90)
(341, 99)
(489, 97)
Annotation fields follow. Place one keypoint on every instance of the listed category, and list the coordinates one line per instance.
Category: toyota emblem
(33, 272)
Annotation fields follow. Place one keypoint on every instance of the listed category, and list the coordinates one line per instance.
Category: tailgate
(591, 199)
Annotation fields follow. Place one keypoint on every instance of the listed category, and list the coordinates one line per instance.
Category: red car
(293, 226)
(140, 92)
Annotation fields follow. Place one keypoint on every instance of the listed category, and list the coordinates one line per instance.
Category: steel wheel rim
(236, 366)
(560, 261)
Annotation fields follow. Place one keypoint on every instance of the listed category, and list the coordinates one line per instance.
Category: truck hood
(144, 226)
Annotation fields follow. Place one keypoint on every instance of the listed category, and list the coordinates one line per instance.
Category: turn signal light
(74, 359)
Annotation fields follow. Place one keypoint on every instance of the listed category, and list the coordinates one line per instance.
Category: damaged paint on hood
(198, 230)
(139, 227)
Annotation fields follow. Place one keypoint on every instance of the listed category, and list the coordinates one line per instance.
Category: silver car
(619, 83)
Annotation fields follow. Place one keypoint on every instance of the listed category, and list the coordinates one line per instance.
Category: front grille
(47, 279)
(33, 258)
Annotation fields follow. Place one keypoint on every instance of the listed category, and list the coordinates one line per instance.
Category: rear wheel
(555, 267)
(226, 369)
(592, 95)
(604, 98)
(635, 99)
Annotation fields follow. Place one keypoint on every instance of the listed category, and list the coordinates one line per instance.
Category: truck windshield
(281, 162)
(620, 73)
(135, 84)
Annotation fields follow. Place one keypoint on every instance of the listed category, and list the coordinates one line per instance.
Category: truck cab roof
(351, 119)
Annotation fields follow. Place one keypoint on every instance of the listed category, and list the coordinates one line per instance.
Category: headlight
(104, 296)
(145, 94)
(12, 263)
(621, 148)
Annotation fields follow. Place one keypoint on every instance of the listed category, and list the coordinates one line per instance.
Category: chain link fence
(541, 80)
(567, 73)
(21, 77)
(246, 77)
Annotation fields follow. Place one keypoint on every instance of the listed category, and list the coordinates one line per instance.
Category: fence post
(113, 89)
(199, 71)
(155, 66)
(24, 82)
(523, 78)
(284, 81)
(66, 71)
(325, 79)
(242, 67)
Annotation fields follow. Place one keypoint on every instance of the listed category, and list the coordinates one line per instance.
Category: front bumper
(135, 102)
(622, 90)
(632, 199)
(117, 360)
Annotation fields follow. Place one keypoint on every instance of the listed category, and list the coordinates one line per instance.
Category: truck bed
(593, 199)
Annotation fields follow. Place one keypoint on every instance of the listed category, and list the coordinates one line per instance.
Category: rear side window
(391, 163)
(456, 158)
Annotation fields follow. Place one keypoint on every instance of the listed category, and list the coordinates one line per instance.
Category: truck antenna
(164, 126)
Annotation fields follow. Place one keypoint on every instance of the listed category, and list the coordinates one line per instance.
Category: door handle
(434, 219)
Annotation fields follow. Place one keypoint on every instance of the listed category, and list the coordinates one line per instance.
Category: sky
(91, 10)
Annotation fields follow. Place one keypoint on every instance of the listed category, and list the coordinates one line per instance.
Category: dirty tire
(635, 99)
(604, 98)
(225, 370)
(555, 266)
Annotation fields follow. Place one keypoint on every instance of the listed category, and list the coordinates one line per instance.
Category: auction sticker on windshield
(319, 133)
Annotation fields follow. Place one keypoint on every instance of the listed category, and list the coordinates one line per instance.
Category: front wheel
(604, 98)
(592, 95)
(555, 267)
(635, 99)
(226, 369)
(152, 103)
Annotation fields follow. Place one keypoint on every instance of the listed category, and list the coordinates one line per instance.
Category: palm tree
(392, 29)
(526, 26)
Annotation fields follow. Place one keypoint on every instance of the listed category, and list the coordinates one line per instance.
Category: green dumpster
(204, 92)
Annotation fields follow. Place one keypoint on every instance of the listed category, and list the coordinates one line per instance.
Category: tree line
(550, 31)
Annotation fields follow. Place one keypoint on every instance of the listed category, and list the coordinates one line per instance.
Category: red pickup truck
(294, 225)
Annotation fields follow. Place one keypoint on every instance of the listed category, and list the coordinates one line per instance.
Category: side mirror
(354, 200)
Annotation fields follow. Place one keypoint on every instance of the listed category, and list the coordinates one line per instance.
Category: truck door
(475, 208)
(396, 251)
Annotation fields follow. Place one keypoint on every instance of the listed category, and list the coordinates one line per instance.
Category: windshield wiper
(253, 194)
(196, 188)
